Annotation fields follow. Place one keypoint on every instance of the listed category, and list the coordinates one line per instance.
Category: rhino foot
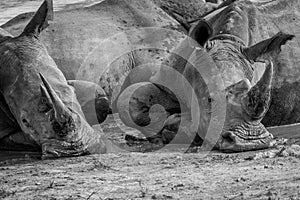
(177, 130)
(145, 107)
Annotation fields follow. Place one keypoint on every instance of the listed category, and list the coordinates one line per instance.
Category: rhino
(39, 109)
(117, 26)
(221, 46)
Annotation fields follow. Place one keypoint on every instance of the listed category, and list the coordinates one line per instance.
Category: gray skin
(89, 30)
(220, 42)
(38, 107)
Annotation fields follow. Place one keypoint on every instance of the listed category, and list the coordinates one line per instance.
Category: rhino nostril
(210, 100)
(228, 137)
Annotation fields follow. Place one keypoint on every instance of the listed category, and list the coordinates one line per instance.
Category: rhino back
(75, 33)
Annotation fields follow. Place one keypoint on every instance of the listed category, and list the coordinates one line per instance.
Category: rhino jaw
(245, 137)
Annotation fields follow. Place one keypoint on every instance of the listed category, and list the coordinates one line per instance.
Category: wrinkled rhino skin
(187, 9)
(265, 19)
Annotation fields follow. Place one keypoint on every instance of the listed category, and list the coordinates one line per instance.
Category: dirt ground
(170, 174)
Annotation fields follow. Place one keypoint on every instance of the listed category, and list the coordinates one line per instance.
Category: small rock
(141, 163)
(243, 179)
(179, 157)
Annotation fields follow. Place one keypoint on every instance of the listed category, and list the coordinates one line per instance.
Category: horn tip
(42, 77)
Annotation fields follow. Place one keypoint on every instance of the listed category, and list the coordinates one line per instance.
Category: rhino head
(247, 103)
(38, 96)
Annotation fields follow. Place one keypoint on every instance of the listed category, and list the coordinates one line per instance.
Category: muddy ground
(169, 174)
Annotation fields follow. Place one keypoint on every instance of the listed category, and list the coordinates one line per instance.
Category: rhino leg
(93, 101)
(177, 130)
(145, 106)
(18, 141)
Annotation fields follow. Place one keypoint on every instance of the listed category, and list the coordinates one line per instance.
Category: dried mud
(168, 174)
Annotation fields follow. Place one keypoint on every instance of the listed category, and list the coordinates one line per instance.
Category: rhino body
(39, 109)
(228, 44)
(83, 31)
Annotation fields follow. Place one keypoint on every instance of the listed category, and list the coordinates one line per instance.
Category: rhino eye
(210, 100)
(44, 106)
(26, 123)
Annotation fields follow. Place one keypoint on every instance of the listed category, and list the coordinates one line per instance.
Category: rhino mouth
(53, 148)
(245, 137)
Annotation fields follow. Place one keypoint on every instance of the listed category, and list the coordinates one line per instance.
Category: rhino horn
(257, 100)
(45, 94)
(60, 110)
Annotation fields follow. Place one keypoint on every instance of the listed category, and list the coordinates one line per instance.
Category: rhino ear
(40, 19)
(267, 48)
(201, 32)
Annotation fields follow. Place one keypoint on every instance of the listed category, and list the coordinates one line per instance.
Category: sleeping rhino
(39, 109)
(214, 68)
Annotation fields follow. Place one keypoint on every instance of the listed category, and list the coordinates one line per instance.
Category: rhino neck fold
(244, 136)
(228, 37)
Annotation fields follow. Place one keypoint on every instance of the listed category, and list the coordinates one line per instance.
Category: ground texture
(153, 176)
(149, 174)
